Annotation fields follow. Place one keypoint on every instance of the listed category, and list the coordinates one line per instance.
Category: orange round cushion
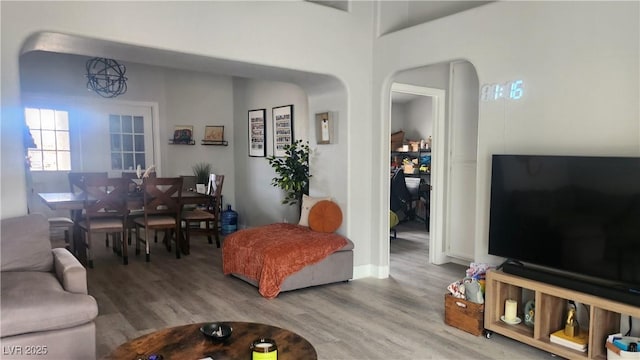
(325, 216)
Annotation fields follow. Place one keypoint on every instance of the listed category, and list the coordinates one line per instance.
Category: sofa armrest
(69, 271)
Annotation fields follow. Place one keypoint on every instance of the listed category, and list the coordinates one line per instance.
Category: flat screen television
(573, 221)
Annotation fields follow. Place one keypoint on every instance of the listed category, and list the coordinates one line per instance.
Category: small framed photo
(324, 128)
(282, 129)
(213, 134)
(257, 132)
(183, 134)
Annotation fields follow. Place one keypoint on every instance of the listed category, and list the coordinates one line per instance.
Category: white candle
(510, 310)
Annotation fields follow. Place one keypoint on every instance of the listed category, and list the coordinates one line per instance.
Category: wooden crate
(464, 315)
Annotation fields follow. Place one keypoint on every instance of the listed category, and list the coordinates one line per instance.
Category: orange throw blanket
(269, 254)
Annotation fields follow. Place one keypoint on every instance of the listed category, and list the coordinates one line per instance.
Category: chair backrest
(399, 194)
(77, 180)
(129, 175)
(217, 195)
(162, 196)
(105, 197)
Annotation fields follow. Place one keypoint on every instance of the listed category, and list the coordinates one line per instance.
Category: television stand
(550, 305)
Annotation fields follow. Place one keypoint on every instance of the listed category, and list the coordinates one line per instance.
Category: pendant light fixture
(106, 77)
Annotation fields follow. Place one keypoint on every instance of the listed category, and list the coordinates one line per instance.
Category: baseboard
(365, 271)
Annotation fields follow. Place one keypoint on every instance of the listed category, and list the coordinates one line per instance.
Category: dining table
(75, 202)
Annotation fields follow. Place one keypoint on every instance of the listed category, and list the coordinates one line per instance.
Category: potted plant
(201, 171)
(292, 172)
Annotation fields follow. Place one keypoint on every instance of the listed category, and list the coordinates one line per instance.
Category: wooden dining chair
(67, 223)
(77, 180)
(208, 213)
(105, 212)
(134, 213)
(162, 207)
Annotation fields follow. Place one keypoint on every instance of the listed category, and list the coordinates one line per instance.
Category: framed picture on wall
(257, 132)
(183, 134)
(282, 129)
(213, 133)
(324, 128)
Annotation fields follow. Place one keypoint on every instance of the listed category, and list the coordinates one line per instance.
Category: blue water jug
(229, 221)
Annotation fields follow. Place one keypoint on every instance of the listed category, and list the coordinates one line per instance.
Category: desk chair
(162, 207)
(401, 199)
(207, 213)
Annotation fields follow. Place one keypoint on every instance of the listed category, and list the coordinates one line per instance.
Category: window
(50, 131)
(127, 142)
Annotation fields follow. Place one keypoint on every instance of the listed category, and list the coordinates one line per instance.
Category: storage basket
(614, 353)
(464, 315)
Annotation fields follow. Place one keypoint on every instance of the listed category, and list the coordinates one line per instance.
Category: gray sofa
(45, 309)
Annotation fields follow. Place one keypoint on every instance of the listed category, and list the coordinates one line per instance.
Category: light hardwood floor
(401, 317)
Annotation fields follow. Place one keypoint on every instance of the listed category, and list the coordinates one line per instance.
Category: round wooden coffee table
(187, 342)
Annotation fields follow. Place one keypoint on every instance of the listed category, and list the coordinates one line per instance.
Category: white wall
(413, 117)
(398, 114)
(261, 35)
(419, 121)
(259, 202)
(571, 56)
(183, 97)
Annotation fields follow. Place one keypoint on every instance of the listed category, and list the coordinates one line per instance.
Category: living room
(578, 60)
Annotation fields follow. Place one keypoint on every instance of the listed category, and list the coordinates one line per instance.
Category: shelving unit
(550, 305)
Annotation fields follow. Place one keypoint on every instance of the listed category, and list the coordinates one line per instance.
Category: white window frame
(60, 130)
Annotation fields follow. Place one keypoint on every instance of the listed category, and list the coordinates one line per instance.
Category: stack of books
(579, 342)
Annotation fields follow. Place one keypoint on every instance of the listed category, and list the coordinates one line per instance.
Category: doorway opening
(419, 112)
(453, 158)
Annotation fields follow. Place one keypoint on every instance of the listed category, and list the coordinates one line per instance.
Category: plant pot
(201, 188)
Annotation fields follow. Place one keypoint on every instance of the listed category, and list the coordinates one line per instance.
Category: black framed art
(257, 132)
(282, 129)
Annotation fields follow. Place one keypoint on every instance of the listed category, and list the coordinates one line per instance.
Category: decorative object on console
(529, 312)
(214, 135)
(292, 172)
(106, 77)
(282, 129)
(578, 342)
(510, 311)
(571, 326)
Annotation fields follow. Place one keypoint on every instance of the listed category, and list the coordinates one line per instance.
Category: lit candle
(510, 310)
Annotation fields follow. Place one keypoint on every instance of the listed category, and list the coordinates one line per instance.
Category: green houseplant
(202, 171)
(292, 172)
